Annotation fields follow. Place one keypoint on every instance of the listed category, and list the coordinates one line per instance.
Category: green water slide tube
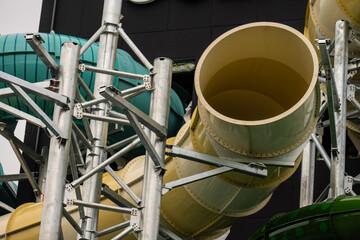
(337, 219)
(17, 58)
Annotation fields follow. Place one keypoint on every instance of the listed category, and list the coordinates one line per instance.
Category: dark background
(181, 30)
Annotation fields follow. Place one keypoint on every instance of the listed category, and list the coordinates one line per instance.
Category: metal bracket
(35, 41)
(34, 89)
(348, 183)
(351, 89)
(353, 35)
(353, 67)
(194, 178)
(135, 220)
(147, 82)
(78, 111)
(112, 94)
(258, 170)
(111, 27)
(54, 85)
(69, 195)
(82, 67)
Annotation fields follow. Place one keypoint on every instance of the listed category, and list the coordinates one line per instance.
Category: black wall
(181, 30)
(178, 29)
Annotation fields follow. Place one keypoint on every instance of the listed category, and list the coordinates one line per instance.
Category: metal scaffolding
(67, 140)
(340, 90)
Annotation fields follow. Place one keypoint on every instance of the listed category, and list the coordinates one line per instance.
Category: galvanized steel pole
(59, 148)
(307, 174)
(106, 60)
(153, 177)
(340, 75)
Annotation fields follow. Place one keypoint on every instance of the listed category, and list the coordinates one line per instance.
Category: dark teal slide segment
(17, 58)
(336, 219)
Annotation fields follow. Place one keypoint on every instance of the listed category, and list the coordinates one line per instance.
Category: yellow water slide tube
(323, 14)
(258, 102)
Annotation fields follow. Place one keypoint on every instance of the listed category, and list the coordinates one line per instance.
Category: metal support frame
(34, 89)
(35, 41)
(151, 131)
(124, 186)
(113, 95)
(106, 60)
(339, 91)
(83, 67)
(254, 169)
(340, 75)
(194, 178)
(153, 176)
(22, 146)
(25, 167)
(307, 174)
(37, 111)
(60, 148)
(14, 177)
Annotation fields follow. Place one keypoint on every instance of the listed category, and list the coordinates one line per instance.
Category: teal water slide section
(17, 58)
(336, 219)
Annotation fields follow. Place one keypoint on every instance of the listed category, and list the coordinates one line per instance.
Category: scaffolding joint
(111, 27)
(135, 218)
(348, 185)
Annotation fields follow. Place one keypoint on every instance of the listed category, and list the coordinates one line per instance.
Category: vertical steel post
(340, 75)
(59, 148)
(307, 174)
(106, 60)
(42, 173)
(153, 177)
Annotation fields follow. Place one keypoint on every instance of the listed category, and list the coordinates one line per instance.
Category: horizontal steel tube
(102, 207)
(105, 119)
(14, 177)
(114, 72)
(93, 102)
(133, 90)
(116, 114)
